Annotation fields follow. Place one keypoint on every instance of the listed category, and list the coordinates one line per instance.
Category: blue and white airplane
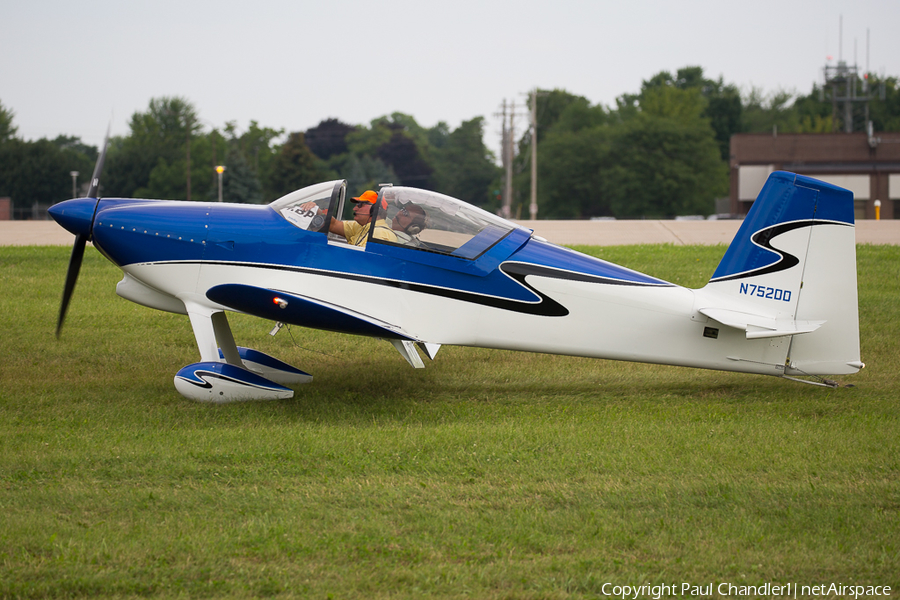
(782, 302)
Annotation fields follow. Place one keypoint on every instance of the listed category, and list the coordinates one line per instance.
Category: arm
(334, 226)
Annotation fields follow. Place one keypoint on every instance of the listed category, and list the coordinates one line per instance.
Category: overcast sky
(72, 67)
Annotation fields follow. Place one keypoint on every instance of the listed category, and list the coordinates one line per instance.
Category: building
(866, 164)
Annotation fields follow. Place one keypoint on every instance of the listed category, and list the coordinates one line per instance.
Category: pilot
(408, 223)
(356, 231)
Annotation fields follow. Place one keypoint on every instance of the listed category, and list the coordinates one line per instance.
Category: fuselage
(523, 293)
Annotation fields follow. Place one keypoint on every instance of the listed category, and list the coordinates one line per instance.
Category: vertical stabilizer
(791, 271)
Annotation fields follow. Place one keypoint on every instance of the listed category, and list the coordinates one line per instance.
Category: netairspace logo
(786, 590)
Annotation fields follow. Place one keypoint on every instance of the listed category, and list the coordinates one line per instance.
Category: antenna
(866, 76)
(841, 87)
(840, 38)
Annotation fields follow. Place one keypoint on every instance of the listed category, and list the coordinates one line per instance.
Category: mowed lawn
(489, 474)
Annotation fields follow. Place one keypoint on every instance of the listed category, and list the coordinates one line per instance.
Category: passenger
(356, 230)
(408, 223)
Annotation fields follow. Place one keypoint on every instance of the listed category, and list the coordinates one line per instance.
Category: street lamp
(220, 169)
(74, 175)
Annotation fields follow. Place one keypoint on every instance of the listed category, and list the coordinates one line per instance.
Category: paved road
(597, 233)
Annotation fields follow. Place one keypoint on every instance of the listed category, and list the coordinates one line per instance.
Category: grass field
(488, 474)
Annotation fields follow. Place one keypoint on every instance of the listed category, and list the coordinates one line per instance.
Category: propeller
(71, 278)
(82, 237)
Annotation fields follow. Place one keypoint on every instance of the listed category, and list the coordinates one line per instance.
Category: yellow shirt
(358, 234)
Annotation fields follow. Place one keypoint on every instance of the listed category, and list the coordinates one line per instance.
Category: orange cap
(367, 196)
(370, 197)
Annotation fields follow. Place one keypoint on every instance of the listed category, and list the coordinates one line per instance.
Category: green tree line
(660, 152)
(664, 151)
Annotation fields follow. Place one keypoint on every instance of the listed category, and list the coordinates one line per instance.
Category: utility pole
(507, 153)
(510, 157)
(188, 119)
(534, 207)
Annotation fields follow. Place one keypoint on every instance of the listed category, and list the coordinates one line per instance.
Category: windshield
(308, 208)
(431, 221)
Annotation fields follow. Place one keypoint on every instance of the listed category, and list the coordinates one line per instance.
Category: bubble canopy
(451, 225)
(447, 225)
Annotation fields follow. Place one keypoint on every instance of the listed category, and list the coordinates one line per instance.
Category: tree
(74, 144)
(365, 141)
(240, 183)
(126, 169)
(398, 121)
(328, 138)
(295, 166)
(365, 173)
(655, 156)
(580, 115)
(161, 138)
(401, 144)
(663, 167)
(7, 129)
(464, 167)
(572, 170)
(406, 159)
(166, 181)
(437, 135)
(814, 115)
(764, 113)
(885, 110)
(724, 110)
(573, 164)
(39, 172)
(685, 105)
(250, 155)
(551, 106)
(723, 107)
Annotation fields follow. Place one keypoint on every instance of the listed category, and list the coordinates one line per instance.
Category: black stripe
(764, 238)
(545, 306)
(514, 269)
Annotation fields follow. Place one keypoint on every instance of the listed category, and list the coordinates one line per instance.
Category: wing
(277, 305)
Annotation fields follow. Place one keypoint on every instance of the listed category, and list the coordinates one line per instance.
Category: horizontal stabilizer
(792, 328)
(759, 326)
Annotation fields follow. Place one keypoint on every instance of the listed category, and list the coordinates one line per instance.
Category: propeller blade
(76, 216)
(98, 168)
(71, 278)
(81, 238)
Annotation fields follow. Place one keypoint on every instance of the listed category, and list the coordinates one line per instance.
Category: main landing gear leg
(226, 373)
